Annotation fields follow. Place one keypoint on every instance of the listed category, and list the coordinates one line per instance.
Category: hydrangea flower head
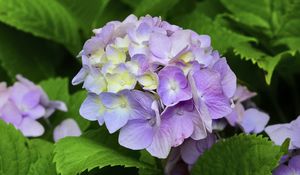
(24, 103)
(157, 83)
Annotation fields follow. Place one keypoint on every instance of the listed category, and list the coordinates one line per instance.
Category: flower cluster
(293, 167)
(182, 158)
(279, 132)
(24, 103)
(155, 82)
(245, 114)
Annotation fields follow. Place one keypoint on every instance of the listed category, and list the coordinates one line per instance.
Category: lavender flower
(279, 132)
(24, 103)
(293, 167)
(182, 158)
(191, 149)
(66, 128)
(173, 86)
(251, 120)
(157, 83)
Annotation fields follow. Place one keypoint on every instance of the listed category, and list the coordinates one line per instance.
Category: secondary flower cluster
(156, 82)
(24, 103)
(244, 114)
(279, 132)
(293, 167)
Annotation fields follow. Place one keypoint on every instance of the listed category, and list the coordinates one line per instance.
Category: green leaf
(113, 11)
(271, 15)
(131, 3)
(85, 12)
(149, 159)
(290, 25)
(220, 35)
(263, 60)
(35, 61)
(242, 154)
(257, 9)
(292, 42)
(85, 154)
(154, 7)
(73, 109)
(211, 8)
(285, 146)
(15, 156)
(44, 164)
(103, 137)
(251, 19)
(19, 156)
(58, 89)
(289, 30)
(43, 18)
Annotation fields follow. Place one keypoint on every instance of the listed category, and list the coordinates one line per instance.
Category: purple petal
(202, 56)
(3, 86)
(143, 31)
(202, 41)
(120, 108)
(59, 105)
(135, 49)
(295, 162)
(173, 86)
(278, 133)
(31, 128)
(160, 45)
(95, 83)
(254, 121)
(181, 125)
(136, 135)
(180, 41)
(228, 78)
(11, 114)
(31, 99)
(207, 88)
(115, 119)
(200, 128)
(92, 108)
(36, 112)
(80, 76)
(283, 170)
(68, 127)
(192, 149)
(236, 115)
(53, 105)
(137, 111)
(190, 152)
(162, 140)
(295, 137)
(172, 161)
(18, 91)
(242, 94)
(26, 82)
(4, 94)
(110, 100)
(145, 100)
